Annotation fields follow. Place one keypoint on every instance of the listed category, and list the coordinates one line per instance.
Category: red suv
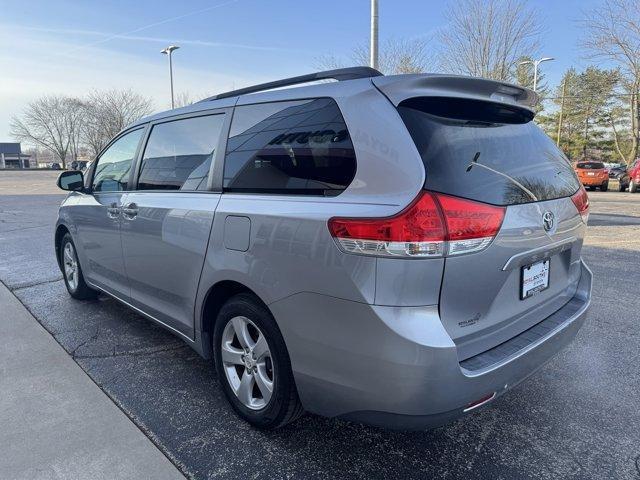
(593, 174)
(634, 176)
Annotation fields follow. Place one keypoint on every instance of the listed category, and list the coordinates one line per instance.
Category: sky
(74, 47)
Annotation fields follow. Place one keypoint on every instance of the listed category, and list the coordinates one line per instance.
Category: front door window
(114, 165)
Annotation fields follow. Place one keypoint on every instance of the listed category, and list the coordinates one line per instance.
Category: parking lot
(576, 418)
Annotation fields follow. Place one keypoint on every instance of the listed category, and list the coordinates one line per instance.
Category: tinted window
(486, 152)
(179, 153)
(300, 147)
(590, 165)
(114, 165)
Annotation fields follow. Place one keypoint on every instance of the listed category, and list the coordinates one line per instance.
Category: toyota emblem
(548, 221)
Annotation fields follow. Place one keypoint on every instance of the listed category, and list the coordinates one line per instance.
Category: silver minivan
(393, 250)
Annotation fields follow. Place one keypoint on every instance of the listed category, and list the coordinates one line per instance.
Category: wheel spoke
(242, 332)
(245, 389)
(260, 348)
(247, 362)
(70, 263)
(265, 385)
(231, 355)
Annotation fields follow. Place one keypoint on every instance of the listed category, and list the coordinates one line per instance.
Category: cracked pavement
(576, 418)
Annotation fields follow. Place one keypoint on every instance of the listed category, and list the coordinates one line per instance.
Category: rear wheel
(253, 364)
(621, 186)
(72, 272)
(604, 187)
(633, 187)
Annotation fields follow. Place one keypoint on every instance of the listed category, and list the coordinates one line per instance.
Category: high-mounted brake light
(434, 225)
(581, 201)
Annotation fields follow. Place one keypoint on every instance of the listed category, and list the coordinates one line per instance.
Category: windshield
(487, 153)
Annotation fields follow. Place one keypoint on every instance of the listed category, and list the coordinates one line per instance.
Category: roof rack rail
(339, 74)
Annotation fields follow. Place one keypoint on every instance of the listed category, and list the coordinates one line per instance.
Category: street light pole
(535, 64)
(167, 51)
(373, 49)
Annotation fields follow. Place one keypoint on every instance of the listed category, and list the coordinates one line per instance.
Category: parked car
(593, 175)
(55, 166)
(616, 169)
(78, 165)
(634, 175)
(623, 179)
(377, 248)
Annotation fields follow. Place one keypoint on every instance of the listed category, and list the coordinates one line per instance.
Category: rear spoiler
(398, 88)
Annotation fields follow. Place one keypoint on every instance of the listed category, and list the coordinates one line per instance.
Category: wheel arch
(216, 296)
(61, 231)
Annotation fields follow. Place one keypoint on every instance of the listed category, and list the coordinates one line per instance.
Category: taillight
(434, 225)
(471, 226)
(581, 201)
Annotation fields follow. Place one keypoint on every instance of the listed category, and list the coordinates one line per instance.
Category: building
(11, 156)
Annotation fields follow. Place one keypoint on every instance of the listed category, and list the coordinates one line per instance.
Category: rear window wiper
(474, 162)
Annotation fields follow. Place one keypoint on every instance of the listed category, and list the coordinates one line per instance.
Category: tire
(72, 272)
(246, 369)
(633, 188)
(604, 187)
(621, 187)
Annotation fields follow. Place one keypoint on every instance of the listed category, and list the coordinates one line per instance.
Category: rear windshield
(486, 152)
(590, 165)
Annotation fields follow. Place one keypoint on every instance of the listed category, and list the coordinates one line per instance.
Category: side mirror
(71, 180)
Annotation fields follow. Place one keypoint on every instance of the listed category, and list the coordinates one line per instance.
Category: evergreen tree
(588, 107)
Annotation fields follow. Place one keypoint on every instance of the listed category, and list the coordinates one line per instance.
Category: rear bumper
(593, 182)
(397, 367)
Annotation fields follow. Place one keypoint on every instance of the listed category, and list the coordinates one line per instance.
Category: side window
(300, 147)
(114, 165)
(179, 153)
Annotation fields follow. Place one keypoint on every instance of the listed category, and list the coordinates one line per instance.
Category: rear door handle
(113, 210)
(130, 211)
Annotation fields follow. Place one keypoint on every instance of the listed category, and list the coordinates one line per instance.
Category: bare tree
(183, 99)
(613, 33)
(485, 38)
(75, 121)
(106, 113)
(395, 56)
(51, 122)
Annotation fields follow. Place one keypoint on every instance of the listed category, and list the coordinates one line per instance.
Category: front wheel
(72, 272)
(621, 186)
(253, 364)
(633, 187)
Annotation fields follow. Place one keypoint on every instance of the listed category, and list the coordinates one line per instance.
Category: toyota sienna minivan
(394, 250)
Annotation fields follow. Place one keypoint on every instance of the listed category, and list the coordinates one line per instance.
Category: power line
(619, 95)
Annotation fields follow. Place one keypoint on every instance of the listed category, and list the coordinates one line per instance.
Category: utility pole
(564, 87)
(373, 49)
(167, 51)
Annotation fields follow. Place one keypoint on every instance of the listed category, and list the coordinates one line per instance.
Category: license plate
(591, 174)
(535, 278)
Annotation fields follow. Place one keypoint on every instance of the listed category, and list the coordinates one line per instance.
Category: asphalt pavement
(578, 417)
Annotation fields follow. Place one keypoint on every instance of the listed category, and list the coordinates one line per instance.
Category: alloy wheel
(247, 362)
(70, 261)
